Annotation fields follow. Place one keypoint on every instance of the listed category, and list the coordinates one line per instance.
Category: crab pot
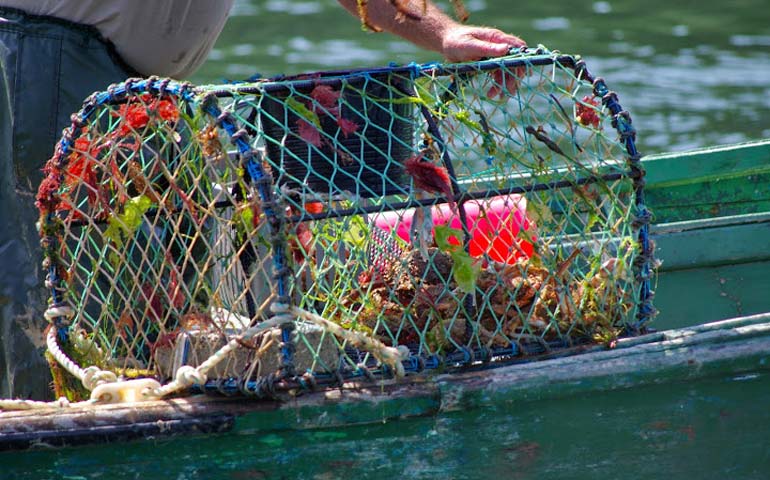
(347, 225)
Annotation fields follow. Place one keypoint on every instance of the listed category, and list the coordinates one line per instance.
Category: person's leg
(48, 68)
(12, 287)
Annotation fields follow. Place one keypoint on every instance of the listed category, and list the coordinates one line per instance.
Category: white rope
(105, 387)
(94, 376)
(91, 377)
(187, 376)
(390, 356)
(104, 384)
(58, 312)
(7, 405)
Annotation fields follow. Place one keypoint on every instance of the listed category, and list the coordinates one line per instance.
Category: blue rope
(275, 220)
(621, 121)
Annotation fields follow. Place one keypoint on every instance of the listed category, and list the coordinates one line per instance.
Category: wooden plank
(693, 296)
(712, 269)
(719, 181)
(707, 164)
(679, 355)
(710, 198)
(713, 242)
(201, 414)
(119, 431)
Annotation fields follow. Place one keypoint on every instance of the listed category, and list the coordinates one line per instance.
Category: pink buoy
(494, 223)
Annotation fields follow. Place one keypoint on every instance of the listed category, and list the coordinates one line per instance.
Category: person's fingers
(496, 89)
(512, 81)
(511, 84)
(473, 43)
(471, 48)
(505, 83)
(496, 36)
(484, 48)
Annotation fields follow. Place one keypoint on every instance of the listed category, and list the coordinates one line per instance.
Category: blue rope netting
(471, 213)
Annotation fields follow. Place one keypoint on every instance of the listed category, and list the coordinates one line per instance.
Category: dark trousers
(47, 68)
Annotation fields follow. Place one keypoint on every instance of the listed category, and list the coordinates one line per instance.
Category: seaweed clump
(415, 300)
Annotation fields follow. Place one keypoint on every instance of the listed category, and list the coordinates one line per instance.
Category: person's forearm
(423, 28)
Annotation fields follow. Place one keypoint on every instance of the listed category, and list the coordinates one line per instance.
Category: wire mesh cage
(354, 137)
(305, 231)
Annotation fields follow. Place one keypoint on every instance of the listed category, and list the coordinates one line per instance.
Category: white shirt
(170, 38)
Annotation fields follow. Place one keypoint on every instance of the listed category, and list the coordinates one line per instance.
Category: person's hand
(464, 43)
(461, 43)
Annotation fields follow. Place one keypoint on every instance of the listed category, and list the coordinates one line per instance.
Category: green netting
(346, 224)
